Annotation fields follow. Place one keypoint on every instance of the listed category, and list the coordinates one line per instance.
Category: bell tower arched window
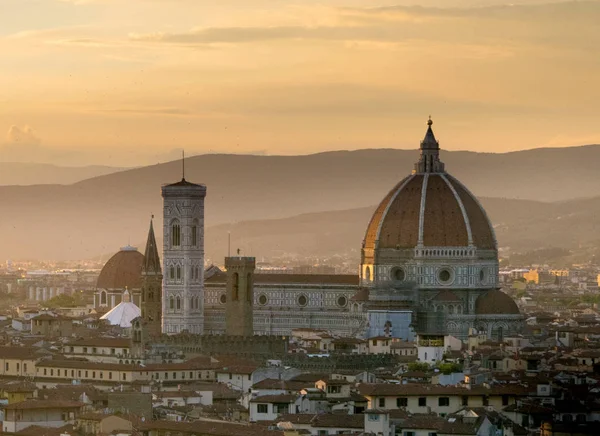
(235, 284)
(178, 272)
(249, 288)
(175, 234)
(178, 303)
(171, 303)
(195, 233)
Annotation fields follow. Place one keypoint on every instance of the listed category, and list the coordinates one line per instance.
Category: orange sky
(129, 82)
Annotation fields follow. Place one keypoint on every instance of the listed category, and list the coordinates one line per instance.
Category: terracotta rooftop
(18, 353)
(100, 342)
(82, 364)
(209, 428)
(325, 420)
(282, 398)
(414, 389)
(43, 404)
(288, 385)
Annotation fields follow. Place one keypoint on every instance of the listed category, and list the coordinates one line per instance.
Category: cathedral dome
(496, 303)
(429, 208)
(123, 270)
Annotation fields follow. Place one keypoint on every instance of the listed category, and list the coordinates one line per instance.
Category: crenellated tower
(240, 296)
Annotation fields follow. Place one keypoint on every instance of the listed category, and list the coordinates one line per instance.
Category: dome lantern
(430, 153)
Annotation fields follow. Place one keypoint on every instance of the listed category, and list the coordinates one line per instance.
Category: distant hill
(520, 226)
(17, 173)
(100, 214)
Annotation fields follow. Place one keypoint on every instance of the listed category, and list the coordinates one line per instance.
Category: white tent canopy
(123, 313)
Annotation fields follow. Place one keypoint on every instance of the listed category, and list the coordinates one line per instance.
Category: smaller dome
(496, 303)
(123, 270)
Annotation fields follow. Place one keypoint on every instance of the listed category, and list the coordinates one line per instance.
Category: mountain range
(17, 173)
(276, 204)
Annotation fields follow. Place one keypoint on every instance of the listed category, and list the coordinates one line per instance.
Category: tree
(418, 366)
(64, 301)
(449, 368)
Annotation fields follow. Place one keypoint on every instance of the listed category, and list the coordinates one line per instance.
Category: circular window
(398, 274)
(445, 275)
(342, 301)
(262, 300)
(223, 299)
(302, 300)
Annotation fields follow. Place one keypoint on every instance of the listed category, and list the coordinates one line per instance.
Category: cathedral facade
(429, 268)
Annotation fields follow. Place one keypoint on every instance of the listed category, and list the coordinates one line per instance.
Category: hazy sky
(126, 82)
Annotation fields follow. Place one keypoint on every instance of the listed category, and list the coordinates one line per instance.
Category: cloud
(147, 111)
(533, 25)
(23, 136)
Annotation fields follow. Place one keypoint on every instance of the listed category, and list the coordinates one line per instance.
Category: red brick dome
(429, 208)
(123, 270)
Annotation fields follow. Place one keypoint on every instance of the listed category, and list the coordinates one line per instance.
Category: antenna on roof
(182, 164)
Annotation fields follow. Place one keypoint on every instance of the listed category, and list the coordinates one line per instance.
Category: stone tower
(183, 257)
(240, 296)
(151, 298)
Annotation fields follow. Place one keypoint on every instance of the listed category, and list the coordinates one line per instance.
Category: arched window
(235, 285)
(171, 303)
(175, 234)
(368, 274)
(172, 272)
(103, 297)
(178, 303)
(195, 233)
(143, 296)
(249, 288)
(150, 296)
(178, 272)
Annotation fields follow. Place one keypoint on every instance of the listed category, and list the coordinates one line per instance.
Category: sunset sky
(128, 82)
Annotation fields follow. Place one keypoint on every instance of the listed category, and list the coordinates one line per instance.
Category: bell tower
(151, 298)
(240, 296)
(183, 257)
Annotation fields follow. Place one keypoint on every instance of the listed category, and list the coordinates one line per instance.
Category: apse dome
(496, 303)
(123, 270)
